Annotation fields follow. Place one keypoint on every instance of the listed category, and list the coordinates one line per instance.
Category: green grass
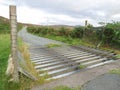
(53, 45)
(118, 56)
(29, 66)
(62, 88)
(4, 53)
(77, 41)
(64, 39)
(65, 88)
(115, 71)
(82, 66)
(68, 40)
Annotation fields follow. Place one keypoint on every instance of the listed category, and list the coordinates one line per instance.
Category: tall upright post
(13, 23)
(85, 28)
(86, 23)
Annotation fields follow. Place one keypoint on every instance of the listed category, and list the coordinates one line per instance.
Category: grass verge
(65, 39)
(4, 54)
(77, 41)
(29, 66)
(23, 48)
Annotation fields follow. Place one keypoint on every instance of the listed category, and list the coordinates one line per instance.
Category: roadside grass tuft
(24, 49)
(51, 45)
(65, 88)
(82, 66)
(118, 56)
(115, 71)
(62, 88)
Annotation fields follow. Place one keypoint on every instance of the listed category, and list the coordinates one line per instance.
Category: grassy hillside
(4, 25)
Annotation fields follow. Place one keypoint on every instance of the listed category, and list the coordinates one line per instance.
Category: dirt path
(80, 78)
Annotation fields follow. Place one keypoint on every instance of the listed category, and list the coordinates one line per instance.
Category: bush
(77, 32)
(64, 32)
(99, 34)
(113, 29)
(108, 35)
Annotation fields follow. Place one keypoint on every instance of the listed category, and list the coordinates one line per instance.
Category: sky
(63, 12)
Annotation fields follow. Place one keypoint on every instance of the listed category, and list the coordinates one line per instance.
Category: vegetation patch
(51, 45)
(115, 71)
(118, 56)
(4, 54)
(65, 88)
(62, 88)
(82, 66)
(106, 36)
(29, 65)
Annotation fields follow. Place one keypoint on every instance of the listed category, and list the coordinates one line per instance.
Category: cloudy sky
(68, 12)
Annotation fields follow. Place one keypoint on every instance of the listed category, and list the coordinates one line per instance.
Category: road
(64, 62)
(33, 40)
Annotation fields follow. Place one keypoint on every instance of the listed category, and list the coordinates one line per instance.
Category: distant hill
(4, 23)
(4, 19)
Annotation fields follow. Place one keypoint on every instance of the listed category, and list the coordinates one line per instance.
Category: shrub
(64, 32)
(108, 35)
(77, 32)
(99, 34)
(114, 31)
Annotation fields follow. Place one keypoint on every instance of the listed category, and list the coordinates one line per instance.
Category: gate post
(13, 23)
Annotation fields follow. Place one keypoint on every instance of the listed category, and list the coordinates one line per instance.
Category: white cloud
(69, 12)
(4, 10)
(116, 17)
(30, 15)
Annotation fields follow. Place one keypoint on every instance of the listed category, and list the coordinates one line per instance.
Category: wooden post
(86, 23)
(13, 23)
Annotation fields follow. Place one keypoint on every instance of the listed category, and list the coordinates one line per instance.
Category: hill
(4, 24)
